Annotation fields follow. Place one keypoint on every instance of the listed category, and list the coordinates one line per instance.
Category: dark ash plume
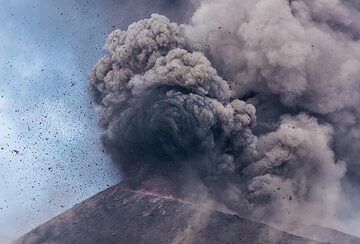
(163, 107)
(170, 119)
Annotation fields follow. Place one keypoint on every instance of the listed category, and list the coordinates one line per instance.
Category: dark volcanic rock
(120, 216)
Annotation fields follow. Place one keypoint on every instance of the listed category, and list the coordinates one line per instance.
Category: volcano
(119, 215)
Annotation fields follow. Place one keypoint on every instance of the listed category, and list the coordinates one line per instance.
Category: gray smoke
(168, 114)
(305, 54)
(163, 106)
(291, 50)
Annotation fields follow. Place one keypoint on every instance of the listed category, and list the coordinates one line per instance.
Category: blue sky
(47, 49)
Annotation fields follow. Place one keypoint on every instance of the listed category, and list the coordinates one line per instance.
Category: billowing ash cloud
(167, 113)
(307, 53)
(297, 162)
(304, 53)
(164, 107)
(298, 51)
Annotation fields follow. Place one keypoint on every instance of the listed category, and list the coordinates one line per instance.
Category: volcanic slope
(117, 215)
